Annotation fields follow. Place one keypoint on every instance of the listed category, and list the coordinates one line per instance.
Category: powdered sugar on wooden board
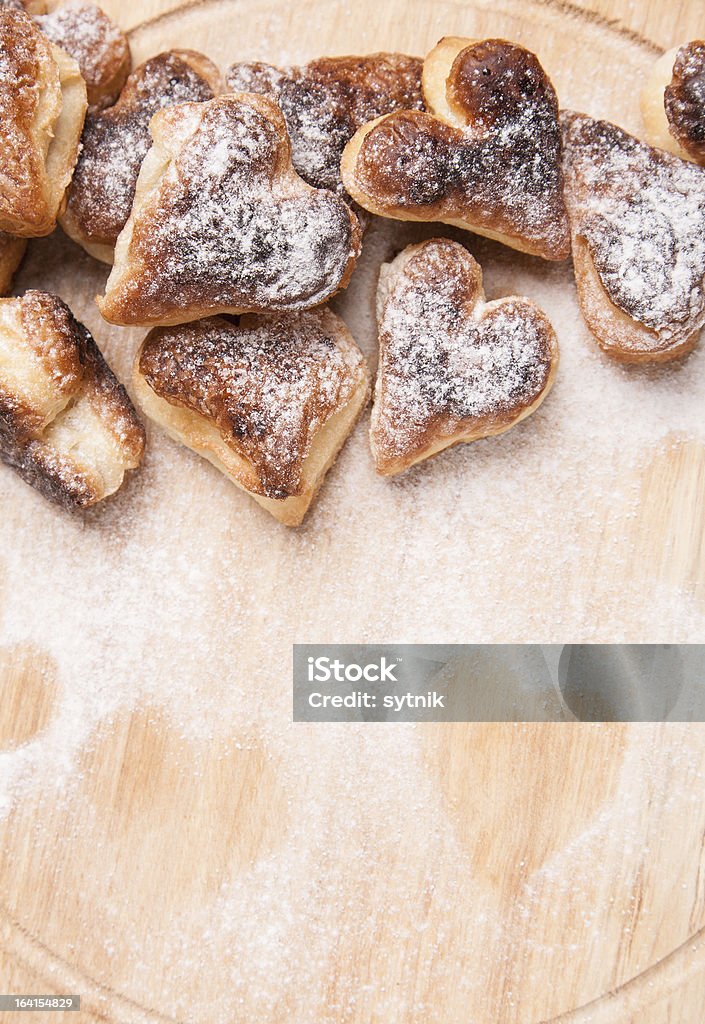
(182, 596)
(181, 537)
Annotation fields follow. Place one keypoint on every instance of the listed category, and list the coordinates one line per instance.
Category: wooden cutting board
(173, 848)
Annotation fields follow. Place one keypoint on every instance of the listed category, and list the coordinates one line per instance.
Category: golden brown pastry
(269, 401)
(325, 101)
(637, 218)
(42, 106)
(30, 6)
(11, 252)
(115, 142)
(222, 223)
(485, 158)
(96, 43)
(452, 366)
(66, 424)
(673, 102)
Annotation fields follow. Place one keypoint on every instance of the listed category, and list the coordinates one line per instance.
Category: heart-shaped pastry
(486, 158)
(222, 223)
(42, 107)
(637, 217)
(95, 42)
(673, 102)
(452, 367)
(268, 401)
(325, 101)
(66, 424)
(115, 142)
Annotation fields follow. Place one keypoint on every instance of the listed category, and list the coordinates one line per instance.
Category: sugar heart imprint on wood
(487, 156)
(222, 223)
(637, 218)
(452, 367)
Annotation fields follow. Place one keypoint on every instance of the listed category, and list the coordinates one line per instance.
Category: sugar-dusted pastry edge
(393, 466)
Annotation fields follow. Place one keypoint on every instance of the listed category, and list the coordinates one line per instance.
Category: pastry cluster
(231, 207)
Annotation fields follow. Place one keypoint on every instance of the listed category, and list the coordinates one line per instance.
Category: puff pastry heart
(268, 401)
(452, 367)
(487, 156)
(95, 42)
(222, 223)
(66, 424)
(116, 140)
(42, 107)
(637, 217)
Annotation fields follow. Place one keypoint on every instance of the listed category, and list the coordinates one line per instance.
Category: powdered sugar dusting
(115, 142)
(642, 212)
(497, 166)
(448, 365)
(326, 101)
(184, 597)
(25, 62)
(225, 229)
(684, 99)
(269, 386)
(88, 35)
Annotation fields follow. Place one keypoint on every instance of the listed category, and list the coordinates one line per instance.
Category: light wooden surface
(189, 854)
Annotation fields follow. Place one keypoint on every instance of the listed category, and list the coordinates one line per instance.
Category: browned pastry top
(95, 42)
(642, 213)
(26, 66)
(684, 99)
(268, 385)
(58, 345)
(448, 362)
(115, 141)
(497, 165)
(326, 101)
(66, 355)
(231, 226)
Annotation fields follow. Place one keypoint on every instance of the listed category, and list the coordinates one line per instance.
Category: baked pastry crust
(66, 424)
(637, 219)
(96, 43)
(673, 102)
(485, 158)
(452, 367)
(12, 251)
(42, 107)
(269, 401)
(30, 6)
(222, 223)
(325, 101)
(115, 142)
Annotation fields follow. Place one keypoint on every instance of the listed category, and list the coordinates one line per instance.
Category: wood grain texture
(200, 858)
